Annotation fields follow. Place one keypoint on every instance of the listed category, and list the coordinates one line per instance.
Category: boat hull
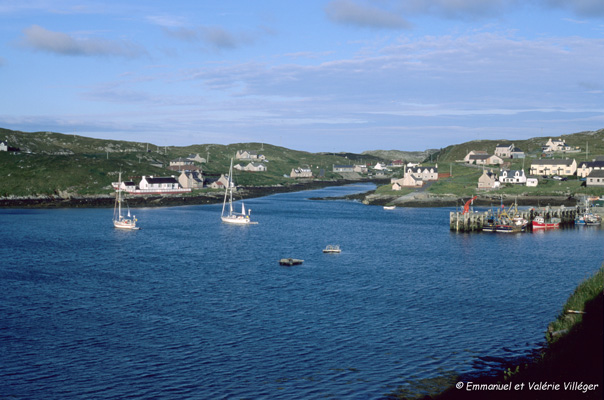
(239, 220)
(125, 224)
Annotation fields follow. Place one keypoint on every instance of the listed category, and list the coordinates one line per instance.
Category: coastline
(107, 200)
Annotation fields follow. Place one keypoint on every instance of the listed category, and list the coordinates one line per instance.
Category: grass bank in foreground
(570, 366)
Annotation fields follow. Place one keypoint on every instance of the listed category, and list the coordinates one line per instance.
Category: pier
(473, 221)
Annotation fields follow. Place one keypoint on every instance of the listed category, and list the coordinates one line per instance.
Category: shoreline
(108, 200)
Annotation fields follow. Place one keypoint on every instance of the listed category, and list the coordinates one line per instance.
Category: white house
(301, 172)
(221, 182)
(3, 146)
(553, 167)
(585, 168)
(343, 168)
(512, 176)
(423, 173)
(249, 154)
(407, 181)
(532, 182)
(255, 167)
(466, 159)
(558, 145)
(595, 178)
(508, 151)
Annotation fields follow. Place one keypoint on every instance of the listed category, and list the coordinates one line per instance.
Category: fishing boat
(120, 221)
(541, 222)
(508, 224)
(332, 248)
(233, 217)
(587, 218)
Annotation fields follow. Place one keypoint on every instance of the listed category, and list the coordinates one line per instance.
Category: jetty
(467, 221)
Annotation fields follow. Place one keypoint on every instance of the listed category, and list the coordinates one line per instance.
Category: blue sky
(314, 75)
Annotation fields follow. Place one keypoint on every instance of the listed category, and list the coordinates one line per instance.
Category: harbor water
(189, 307)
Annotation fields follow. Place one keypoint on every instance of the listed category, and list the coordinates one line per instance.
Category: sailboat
(119, 221)
(233, 217)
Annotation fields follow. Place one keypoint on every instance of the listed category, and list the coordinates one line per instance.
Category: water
(189, 307)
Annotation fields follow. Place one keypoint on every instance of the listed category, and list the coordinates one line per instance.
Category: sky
(312, 75)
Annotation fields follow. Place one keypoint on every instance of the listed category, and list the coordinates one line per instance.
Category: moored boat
(290, 261)
(120, 221)
(332, 249)
(541, 222)
(231, 216)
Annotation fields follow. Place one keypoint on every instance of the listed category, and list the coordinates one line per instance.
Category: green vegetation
(572, 312)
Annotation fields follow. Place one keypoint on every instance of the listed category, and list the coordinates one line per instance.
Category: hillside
(51, 163)
(409, 156)
(593, 140)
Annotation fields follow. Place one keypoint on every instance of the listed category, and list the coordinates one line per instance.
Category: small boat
(120, 221)
(332, 249)
(541, 223)
(389, 207)
(290, 261)
(588, 219)
(233, 217)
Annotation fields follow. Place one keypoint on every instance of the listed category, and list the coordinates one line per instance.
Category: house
(466, 159)
(508, 151)
(343, 168)
(196, 158)
(159, 185)
(380, 166)
(407, 181)
(532, 182)
(183, 164)
(553, 167)
(191, 179)
(360, 168)
(488, 180)
(586, 167)
(512, 176)
(301, 172)
(3, 146)
(558, 145)
(423, 173)
(255, 167)
(219, 183)
(397, 164)
(595, 178)
(484, 159)
(248, 155)
(517, 153)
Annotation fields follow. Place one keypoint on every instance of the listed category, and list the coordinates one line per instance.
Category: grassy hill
(532, 147)
(51, 163)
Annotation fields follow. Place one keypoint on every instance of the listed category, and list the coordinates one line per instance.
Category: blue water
(189, 307)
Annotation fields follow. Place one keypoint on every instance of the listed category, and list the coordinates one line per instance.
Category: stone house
(488, 180)
(249, 155)
(191, 179)
(301, 172)
(484, 159)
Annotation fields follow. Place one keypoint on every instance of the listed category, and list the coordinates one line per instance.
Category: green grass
(585, 292)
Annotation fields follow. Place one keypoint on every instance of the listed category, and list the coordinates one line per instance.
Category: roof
(555, 161)
(479, 156)
(166, 179)
(596, 173)
(592, 164)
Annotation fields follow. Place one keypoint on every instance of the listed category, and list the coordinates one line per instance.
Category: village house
(512, 176)
(397, 164)
(191, 179)
(380, 167)
(586, 167)
(360, 168)
(343, 168)
(484, 159)
(301, 172)
(248, 155)
(196, 158)
(466, 159)
(153, 185)
(595, 178)
(3, 146)
(408, 181)
(508, 151)
(563, 167)
(251, 167)
(558, 146)
(183, 164)
(488, 180)
(423, 173)
(219, 183)
(532, 182)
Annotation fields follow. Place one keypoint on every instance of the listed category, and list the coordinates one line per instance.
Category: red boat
(541, 223)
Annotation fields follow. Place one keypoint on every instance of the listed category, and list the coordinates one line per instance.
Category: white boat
(120, 221)
(233, 217)
(332, 248)
(389, 207)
